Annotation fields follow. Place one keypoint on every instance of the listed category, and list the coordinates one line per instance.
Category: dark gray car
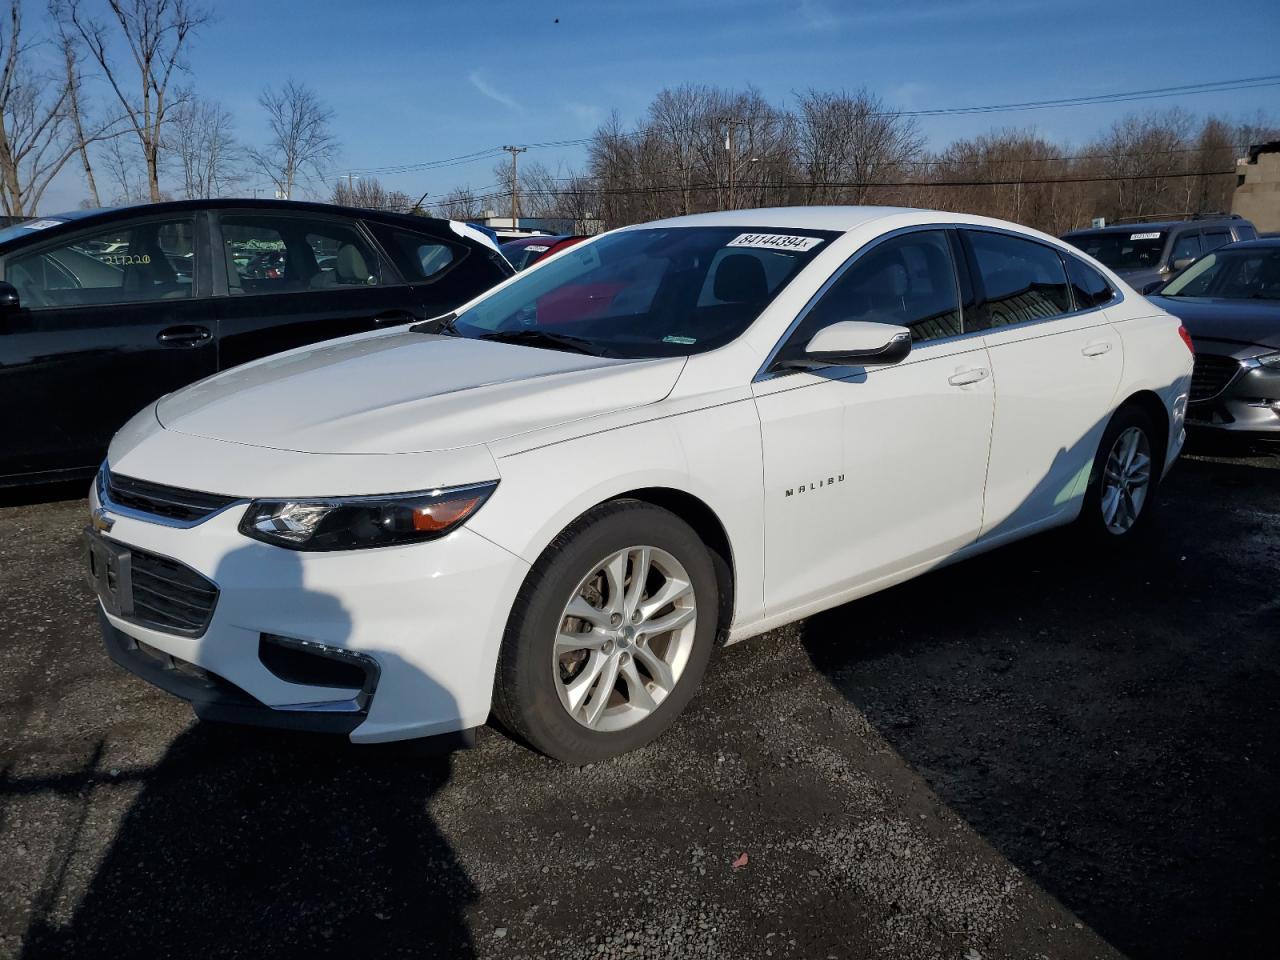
(1146, 253)
(1229, 301)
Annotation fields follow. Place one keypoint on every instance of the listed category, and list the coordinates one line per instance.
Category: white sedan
(552, 504)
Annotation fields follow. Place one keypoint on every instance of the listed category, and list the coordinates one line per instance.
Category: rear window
(1135, 249)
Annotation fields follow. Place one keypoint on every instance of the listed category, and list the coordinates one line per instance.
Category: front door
(294, 279)
(108, 321)
(873, 472)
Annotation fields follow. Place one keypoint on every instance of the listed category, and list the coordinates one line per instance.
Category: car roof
(519, 242)
(811, 218)
(1264, 243)
(1154, 225)
(108, 214)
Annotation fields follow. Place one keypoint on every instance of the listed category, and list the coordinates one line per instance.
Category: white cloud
(493, 93)
(587, 115)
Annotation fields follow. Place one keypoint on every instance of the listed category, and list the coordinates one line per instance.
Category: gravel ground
(1038, 753)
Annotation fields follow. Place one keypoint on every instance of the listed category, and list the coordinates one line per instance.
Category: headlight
(354, 523)
(1271, 360)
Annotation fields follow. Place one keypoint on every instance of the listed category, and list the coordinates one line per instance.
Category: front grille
(1211, 375)
(172, 503)
(168, 595)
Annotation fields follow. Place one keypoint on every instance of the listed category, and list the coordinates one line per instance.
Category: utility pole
(730, 123)
(515, 185)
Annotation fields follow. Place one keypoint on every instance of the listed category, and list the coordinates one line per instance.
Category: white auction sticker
(41, 224)
(1144, 236)
(774, 241)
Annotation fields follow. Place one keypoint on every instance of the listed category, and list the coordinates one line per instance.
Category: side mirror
(855, 343)
(8, 297)
(1152, 287)
(1183, 262)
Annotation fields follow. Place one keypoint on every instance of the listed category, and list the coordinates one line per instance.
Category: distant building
(533, 225)
(1257, 195)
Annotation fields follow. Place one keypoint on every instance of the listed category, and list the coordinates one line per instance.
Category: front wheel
(1122, 484)
(610, 634)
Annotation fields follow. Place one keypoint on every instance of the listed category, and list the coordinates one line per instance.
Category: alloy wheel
(624, 638)
(1126, 480)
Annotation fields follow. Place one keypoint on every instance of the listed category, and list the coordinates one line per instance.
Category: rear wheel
(610, 634)
(1125, 475)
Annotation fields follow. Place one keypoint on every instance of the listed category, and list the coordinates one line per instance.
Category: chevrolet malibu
(551, 504)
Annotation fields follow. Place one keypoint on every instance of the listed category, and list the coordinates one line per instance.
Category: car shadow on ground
(1079, 710)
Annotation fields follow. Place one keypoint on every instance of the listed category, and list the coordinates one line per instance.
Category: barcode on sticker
(774, 241)
(1144, 236)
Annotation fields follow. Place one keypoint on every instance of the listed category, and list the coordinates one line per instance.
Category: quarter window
(1023, 280)
(908, 280)
(274, 254)
(1089, 287)
(417, 257)
(138, 262)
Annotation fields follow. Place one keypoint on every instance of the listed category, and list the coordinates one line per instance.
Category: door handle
(186, 335)
(963, 378)
(392, 317)
(1096, 349)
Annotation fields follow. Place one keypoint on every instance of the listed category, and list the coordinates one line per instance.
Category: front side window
(1186, 246)
(1122, 249)
(1213, 239)
(125, 264)
(265, 253)
(1023, 280)
(648, 292)
(1243, 274)
(908, 281)
(1088, 286)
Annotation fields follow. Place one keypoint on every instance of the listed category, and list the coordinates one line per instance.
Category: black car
(103, 311)
(1229, 301)
(1148, 253)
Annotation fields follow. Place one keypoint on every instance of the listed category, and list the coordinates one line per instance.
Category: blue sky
(416, 81)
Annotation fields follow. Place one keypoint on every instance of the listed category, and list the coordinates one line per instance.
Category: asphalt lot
(1039, 753)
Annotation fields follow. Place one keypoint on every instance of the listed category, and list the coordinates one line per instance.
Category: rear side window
(1088, 286)
(418, 257)
(1246, 232)
(909, 281)
(1023, 280)
(267, 253)
(1213, 239)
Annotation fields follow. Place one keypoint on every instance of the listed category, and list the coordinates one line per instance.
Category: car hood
(406, 392)
(1245, 322)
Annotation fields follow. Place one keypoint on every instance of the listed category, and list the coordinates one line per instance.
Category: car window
(418, 257)
(1088, 286)
(1213, 239)
(136, 262)
(1245, 231)
(1236, 274)
(268, 253)
(908, 280)
(1122, 249)
(1186, 246)
(777, 266)
(1023, 280)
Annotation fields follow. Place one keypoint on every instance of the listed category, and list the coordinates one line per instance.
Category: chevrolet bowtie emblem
(102, 521)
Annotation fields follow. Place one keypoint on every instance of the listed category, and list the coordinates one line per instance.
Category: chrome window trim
(119, 510)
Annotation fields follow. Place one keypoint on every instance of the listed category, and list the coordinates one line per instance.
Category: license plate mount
(110, 574)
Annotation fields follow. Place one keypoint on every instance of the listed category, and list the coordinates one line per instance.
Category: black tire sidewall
(529, 701)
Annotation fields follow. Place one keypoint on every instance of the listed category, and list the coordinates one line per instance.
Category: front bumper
(428, 617)
(1248, 403)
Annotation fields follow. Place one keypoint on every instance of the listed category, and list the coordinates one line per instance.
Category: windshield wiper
(446, 325)
(535, 337)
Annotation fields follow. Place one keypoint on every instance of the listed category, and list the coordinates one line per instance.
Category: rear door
(109, 320)
(296, 278)
(1056, 368)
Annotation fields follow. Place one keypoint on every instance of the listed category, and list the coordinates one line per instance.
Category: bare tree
(302, 140)
(369, 194)
(204, 148)
(461, 203)
(76, 110)
(156, 33)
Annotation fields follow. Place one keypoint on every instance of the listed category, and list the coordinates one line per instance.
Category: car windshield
(1245, 274)
(1122, 250)
(647, 293)
(520, 255)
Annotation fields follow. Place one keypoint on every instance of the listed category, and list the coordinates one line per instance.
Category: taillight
(1186, 338)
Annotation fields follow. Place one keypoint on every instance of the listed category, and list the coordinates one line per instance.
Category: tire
(1102, 519)
(535, 696)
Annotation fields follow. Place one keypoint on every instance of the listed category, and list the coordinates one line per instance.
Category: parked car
(524, 250)
(561, 243)
(1230, 302)
(103, 311)
(1145, 254)
(551, 503)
